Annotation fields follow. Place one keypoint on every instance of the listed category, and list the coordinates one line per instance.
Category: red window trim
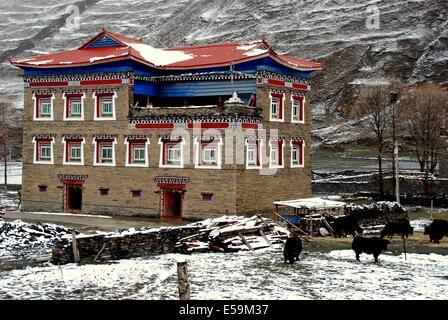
(300, 99)
(39, 143)
(204, 142)
(278, 96)
(300, 144)
(99, 96)
(257, 149)
(279, 144)
(132, 145)
(68, 144)
(69, 98)
(39, 97)
(99, 142)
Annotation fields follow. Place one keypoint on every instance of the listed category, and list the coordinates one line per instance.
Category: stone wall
(121, 246)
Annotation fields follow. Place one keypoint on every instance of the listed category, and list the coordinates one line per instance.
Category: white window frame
(64, 158)
(162, 151)
(128, 143)
(96, 154)
(260, 145)
(96, 96)
(36, 145)
(35, 101)
(200, 153)
(298, 165)
(282, 103)
(275, 144)
(293, 102)
(66, 99)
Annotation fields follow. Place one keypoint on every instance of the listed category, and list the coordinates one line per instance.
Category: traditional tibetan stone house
(119, 127)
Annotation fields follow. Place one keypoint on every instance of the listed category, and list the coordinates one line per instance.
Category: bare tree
(423, 109)
(10, 133)
(374, 104)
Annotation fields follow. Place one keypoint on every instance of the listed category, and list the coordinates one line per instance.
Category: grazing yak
(401, 227)
(345, 226)
(373, 245)
(292, 250)
(437, 230)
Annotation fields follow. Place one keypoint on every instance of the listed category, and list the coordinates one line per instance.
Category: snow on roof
(312, 203)
(192, 57)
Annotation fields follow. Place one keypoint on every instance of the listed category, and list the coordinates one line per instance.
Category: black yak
(373, 245)
(437, 230)
(292, 250)
(345, 226)
(401, 227)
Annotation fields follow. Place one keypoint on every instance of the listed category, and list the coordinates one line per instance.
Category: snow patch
(159, 57)
(38, 63)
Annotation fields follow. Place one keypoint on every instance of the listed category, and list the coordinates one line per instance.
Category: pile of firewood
(235, 233)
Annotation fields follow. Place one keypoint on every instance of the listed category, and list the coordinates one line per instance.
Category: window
(276, 110)
(73, 151)
(136, 193)
(137, 152)
(298, 110)
(207, 196)
(43, 150)
(171, 153)
(42, 188)
(105, 106)
(276, 154)
(105, 152)
(74, 106)
(44, 107)
(253, 154)
(297, 148)
(104, 191)
(208, 153)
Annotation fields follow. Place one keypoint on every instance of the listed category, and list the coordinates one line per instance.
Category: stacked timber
(232, 234)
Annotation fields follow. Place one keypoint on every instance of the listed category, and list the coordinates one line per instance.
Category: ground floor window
(208, 152)
(137, 152)
(276, 153)
(297, 153)
(73, 151)
(253, 153)
(105, 151)
(43, 150)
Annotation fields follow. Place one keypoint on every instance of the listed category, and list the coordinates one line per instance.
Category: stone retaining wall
(121, 246)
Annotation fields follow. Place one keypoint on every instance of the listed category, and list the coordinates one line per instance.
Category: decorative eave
(206, 118)
(171, 180)
(48, 136)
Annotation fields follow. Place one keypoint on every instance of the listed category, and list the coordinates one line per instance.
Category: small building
(119, 127)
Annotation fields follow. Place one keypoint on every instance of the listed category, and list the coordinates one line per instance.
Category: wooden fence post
(75, 247)
(182, 280)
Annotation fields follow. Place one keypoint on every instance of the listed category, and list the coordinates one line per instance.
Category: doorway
(74, 198)
(172, 203)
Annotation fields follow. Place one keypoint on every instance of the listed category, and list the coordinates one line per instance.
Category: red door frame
(67, 185)
(168, 187)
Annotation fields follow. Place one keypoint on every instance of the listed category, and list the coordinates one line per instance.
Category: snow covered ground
(245, 275)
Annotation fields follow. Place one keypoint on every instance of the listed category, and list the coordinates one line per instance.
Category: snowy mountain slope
(411, 40)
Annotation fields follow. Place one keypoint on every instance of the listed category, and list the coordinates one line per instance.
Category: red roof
(193, 57)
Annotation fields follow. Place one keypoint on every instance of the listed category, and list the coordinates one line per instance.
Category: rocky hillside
(411, 41)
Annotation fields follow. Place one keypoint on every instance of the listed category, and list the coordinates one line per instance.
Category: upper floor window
(43, 150)
(74, 107)
(276, 153)
(208, 153)
(297, 109)
(297, 153)
(171, 154)
(276, 106)
(104, 151)
(253, 153)
(137, 151)
(104, 106)
(43, 109)
(73, 150)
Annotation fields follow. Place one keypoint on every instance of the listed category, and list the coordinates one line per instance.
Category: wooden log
(265, 238)
(100, 252)
(245, 241)
(328, 226)
(75, 247)
(182, 280)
